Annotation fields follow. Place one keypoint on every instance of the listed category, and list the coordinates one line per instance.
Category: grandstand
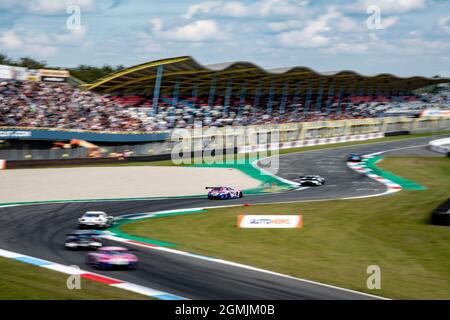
(177, 92)
(180, 90)
(134, 110)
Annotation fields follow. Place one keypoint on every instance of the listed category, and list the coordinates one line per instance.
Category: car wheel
(228, 196)
(240, 195)
(133, 266)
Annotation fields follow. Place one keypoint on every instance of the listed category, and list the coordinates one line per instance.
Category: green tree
(30, 63)
(89, 73)
(4, 59)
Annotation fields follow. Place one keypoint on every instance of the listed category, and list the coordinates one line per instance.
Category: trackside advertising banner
(270, 221)
(436, 113)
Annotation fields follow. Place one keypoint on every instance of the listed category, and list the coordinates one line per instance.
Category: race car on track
(83, 239)
(96, 219)
(112, 257)
(224, 193)
(312, 180)
(353, 157)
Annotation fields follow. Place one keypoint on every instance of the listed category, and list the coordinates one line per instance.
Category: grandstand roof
(140, 79)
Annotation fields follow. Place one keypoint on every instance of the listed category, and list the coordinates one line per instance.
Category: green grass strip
(268, 183)
(370, 163)
(116, 229)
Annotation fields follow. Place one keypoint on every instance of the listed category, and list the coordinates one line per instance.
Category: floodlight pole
(242, 99)
(284, 98)
(194, 92)
(212, 91)
(296, 98)
(257, 99)
(347, 107)
(369, 93)
(270, 100)
(227, 96)
(330, 99)
(319, 97)
(156, 89)
(338, 108)
(361, 93)
(307, 101)
(176, 90)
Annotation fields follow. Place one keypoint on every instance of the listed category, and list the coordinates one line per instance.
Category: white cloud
(311, 36)
(422, 45)
(354, 48)
(40, 43)
(285, 25)
(41, 51)
(10, 40)
(388, 22)
(74, 36)
(238, 9)
(346, 24)
(391, 6)
(46, 6)
(147, 44)
(197, 31)
(445, 24)
(36, 43)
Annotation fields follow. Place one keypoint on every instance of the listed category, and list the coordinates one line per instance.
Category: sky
(402, 37)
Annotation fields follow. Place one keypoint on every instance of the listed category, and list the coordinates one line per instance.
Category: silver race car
(96, 219)
(83, 239)
(312, 180)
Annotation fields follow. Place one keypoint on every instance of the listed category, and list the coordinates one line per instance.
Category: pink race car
(110, 257)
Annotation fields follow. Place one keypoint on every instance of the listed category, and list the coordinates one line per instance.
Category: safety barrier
(26, 133)
(309, 142)
(441, 215)
(441, 146)
(289, 135)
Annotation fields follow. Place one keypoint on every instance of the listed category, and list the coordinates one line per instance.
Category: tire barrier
(441, 215)
(396, 133)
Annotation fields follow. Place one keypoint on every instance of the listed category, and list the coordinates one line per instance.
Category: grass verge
(340, 238)
(19, 281)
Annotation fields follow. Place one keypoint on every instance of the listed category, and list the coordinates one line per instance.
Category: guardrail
(26, 133)
(441, 146)
(287, 135)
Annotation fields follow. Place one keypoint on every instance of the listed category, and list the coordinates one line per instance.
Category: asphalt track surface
(39, 231)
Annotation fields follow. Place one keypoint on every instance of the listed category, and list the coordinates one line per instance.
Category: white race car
(96, 219)
(312, 181)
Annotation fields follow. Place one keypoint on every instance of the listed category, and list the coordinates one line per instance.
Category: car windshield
(217, 189)
(92, 215)
(115, 252)
(309, 178)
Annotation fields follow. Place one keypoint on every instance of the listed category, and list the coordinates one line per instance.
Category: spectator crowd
(51, 105)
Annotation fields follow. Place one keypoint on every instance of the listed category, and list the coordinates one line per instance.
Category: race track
(39, 230)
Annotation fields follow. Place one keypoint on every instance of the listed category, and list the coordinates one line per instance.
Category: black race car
(89, 239)
(354, 157)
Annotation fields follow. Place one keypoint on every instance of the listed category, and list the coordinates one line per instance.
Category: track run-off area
(39, 230)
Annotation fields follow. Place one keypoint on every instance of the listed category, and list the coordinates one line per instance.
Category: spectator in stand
(47, 105)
